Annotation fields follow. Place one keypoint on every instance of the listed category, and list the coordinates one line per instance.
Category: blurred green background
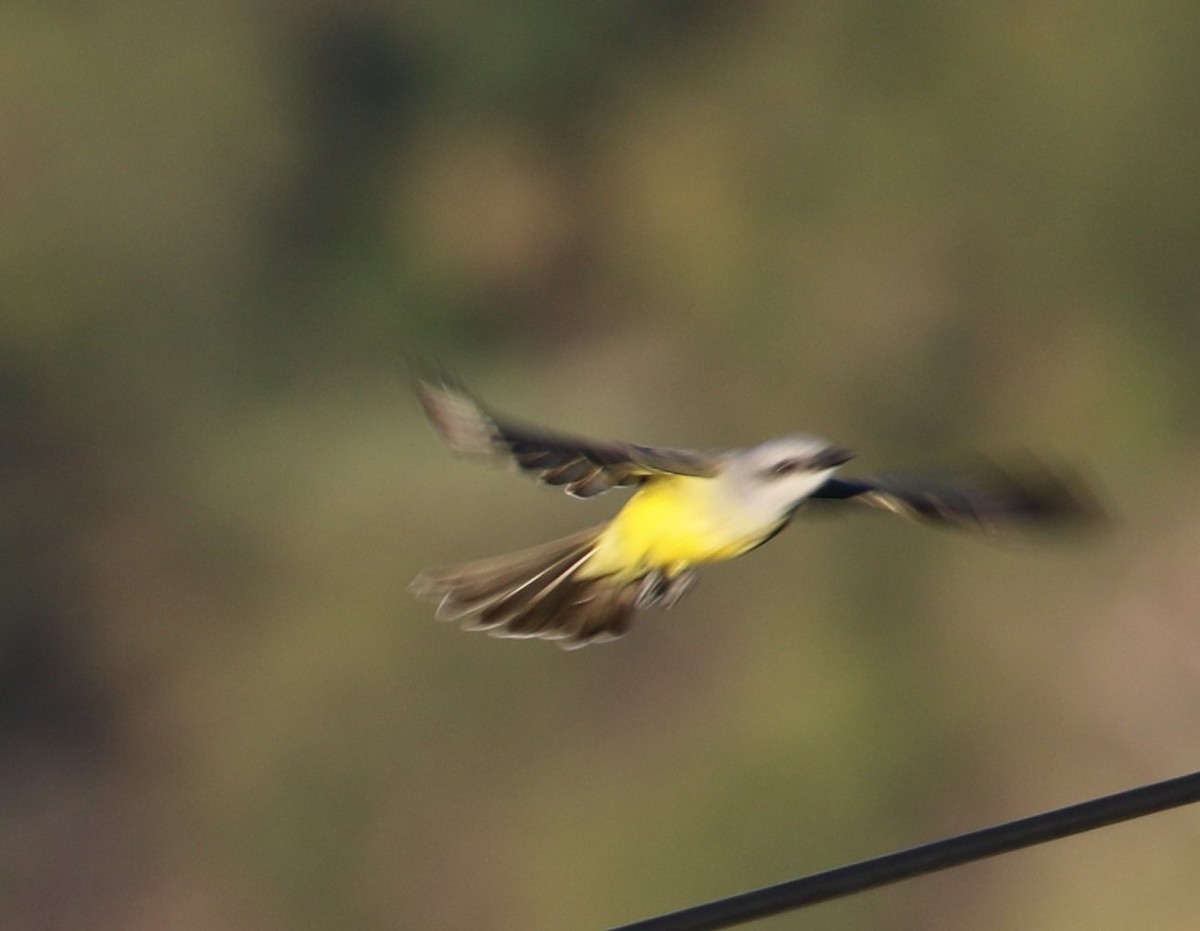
(922, 229)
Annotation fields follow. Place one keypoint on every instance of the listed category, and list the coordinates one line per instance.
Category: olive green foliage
(922, 229)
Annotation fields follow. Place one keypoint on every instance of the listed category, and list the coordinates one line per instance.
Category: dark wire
(928, 858)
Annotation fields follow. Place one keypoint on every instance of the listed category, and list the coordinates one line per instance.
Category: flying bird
(687, 509)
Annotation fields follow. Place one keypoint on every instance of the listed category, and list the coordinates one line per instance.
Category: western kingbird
(689, 508)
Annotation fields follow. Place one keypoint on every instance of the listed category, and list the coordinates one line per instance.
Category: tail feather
(476, 581)
(488, 603)
(542, 618)
(533, 605)
(540, 592)
(605, 617)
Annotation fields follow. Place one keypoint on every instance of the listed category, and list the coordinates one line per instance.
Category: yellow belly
(670, 524)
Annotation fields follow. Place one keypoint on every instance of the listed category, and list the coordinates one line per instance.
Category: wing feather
(990, 499)
(582, 467)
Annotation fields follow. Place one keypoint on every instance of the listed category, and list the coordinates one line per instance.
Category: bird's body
(688, 509)
(672, 524)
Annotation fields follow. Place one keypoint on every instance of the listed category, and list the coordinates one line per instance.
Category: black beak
(830, 458)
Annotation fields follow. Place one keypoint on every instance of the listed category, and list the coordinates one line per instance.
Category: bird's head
(778, 474)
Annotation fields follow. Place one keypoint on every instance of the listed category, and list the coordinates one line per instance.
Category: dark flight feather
(582, 467)
(988, 498)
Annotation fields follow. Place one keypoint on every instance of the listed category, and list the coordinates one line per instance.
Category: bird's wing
(582, 467)
(988, 498)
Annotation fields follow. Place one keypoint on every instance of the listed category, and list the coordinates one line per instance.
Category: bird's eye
(784, 467)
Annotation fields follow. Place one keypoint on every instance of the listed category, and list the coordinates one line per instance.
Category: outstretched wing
(581, 466)
(989, 499)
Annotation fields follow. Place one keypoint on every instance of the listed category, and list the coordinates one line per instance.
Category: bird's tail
(539, 592)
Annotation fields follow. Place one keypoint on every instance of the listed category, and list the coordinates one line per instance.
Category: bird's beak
(831, 458)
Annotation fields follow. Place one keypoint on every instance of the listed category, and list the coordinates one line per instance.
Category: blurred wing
(581, 466)
(991, 499)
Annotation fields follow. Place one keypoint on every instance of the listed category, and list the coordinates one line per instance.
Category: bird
(688, 509)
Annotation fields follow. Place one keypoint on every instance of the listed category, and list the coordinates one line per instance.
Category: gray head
(772, 478)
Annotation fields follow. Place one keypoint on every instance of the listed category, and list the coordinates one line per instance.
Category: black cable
(928, 858)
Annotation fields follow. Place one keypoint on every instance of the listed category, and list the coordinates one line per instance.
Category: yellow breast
(669, 524)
